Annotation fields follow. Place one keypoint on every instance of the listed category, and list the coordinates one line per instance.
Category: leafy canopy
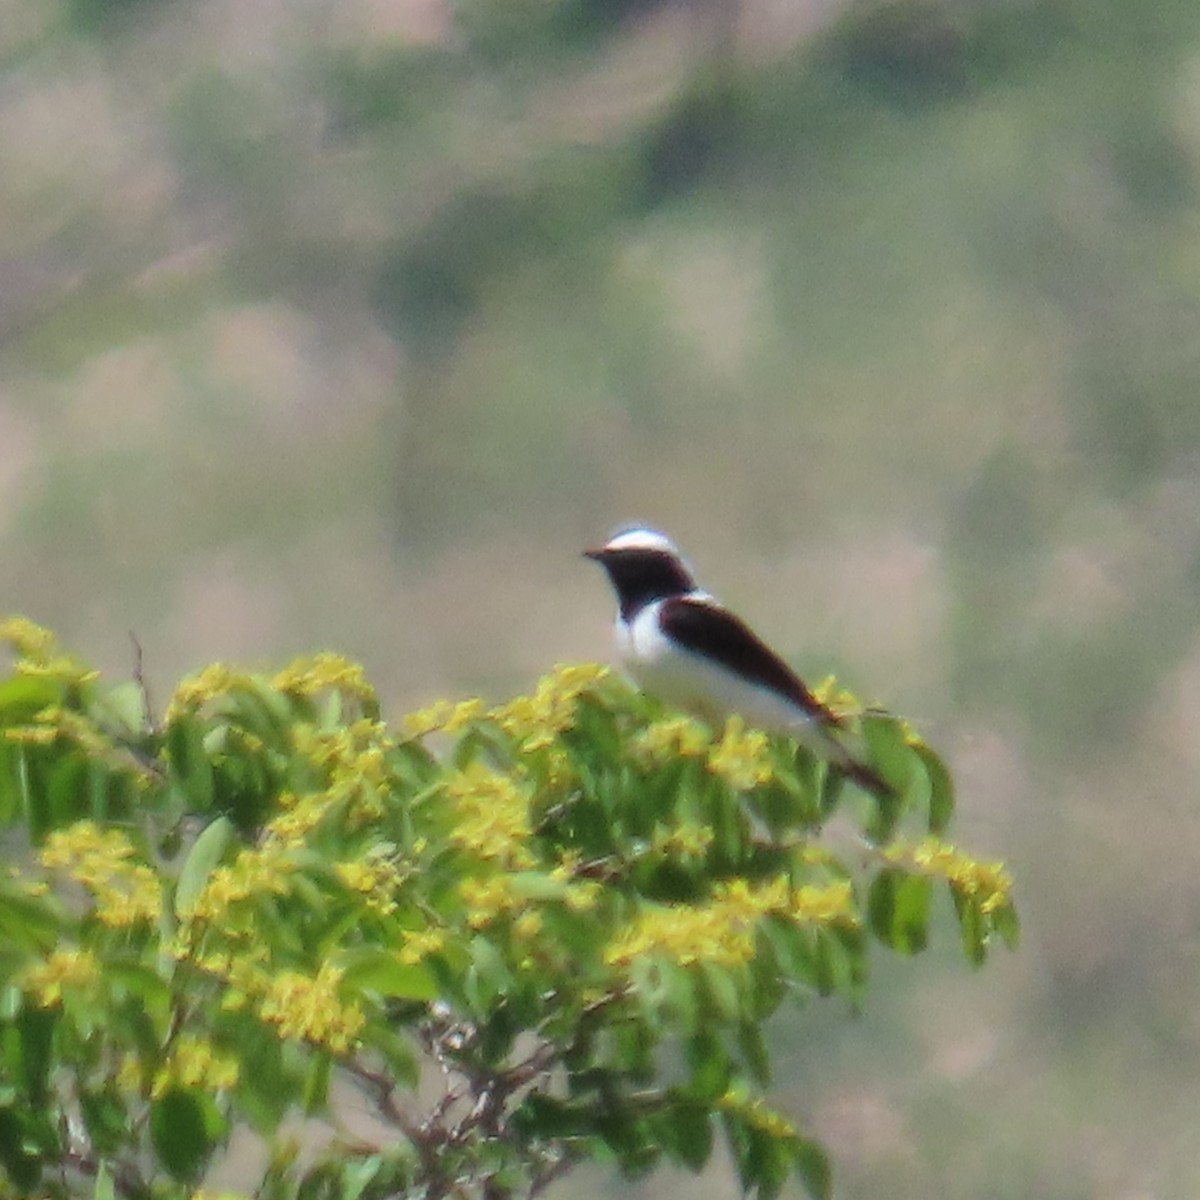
(568, 917)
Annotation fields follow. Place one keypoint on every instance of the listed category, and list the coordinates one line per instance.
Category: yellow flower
(256, 869)
(685, 840)
(197, 690)
(124, 892)
(829, 905)
(309, 1009)
(38, 653)
(493, 815)
(756, 1113)
(321, 672)
(721, 930)
(582, 895)
(442, 716)
(487, 899)
(741, 758)
(989, 883)
(427, 720)
(73, 968)
(536, 721)
(673, 737)
(193, 1062)
(375, 879)
(27, 639)
(419, 944)
(838, 700)
(355, 764)
(528, 925)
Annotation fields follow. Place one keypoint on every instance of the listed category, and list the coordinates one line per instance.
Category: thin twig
(139, 677)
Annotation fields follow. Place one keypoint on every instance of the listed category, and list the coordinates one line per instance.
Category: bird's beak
(595, 555)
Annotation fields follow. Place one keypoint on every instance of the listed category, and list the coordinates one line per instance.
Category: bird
(680, 644)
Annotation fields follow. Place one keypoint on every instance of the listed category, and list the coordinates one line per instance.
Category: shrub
(566, 918)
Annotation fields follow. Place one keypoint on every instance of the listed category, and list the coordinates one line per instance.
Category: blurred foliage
(342, 318)
(580, 913)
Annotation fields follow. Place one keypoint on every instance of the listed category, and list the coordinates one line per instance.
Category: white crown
(642, 539)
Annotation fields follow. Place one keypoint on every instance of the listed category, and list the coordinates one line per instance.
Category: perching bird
(683, 646)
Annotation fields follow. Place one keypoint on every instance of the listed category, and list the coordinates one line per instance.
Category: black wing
(704, 627)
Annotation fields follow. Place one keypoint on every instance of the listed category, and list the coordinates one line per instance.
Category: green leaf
(973, 927)
(103, 1188)
(315, 1098)
(182, 1133)
(105, 1119)
(23, 696)
(898, 909)
(26, 921)
(265, 1089)
(190, 764)
(67, 791)
(10, 781)
(36, 1028)
(772, 1165)
(811, 1164)
(18, 1157)
(202, 859)
(941, 788)
(373, 969)
(709, 1067)
(685, 1131)
(722, 996)
(755, 1054)
(1006, 923)
(545, 1118)
(892, 757)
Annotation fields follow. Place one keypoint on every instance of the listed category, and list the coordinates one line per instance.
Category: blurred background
(347, 325)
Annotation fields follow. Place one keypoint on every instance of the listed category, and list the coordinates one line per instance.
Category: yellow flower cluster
(244, 974)
(754, 1111)
(537, 720)
(194, 691)
(54, 722)
(721, 930)
(442, 716)
(989, 883)
(73, 968)
(38, 654)
(685, 840)
(310, 1009)
(256, 869)
(193, 1062)
(354, 762)
(28, 639)
(375, 879)
(839, 701)
(419, 944)
(324, 672)
(671, 738)
(489, 899)
(124, 892)
(741, 756)
(493, 816)
(579, 895)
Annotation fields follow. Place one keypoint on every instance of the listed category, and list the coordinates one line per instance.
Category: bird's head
(643, 565)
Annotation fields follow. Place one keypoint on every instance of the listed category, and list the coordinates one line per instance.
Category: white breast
(692, 682)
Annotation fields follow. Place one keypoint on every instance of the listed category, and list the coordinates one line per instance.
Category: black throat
(643, 576)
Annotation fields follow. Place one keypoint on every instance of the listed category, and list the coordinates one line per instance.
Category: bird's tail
(867, 778)
(857, 771)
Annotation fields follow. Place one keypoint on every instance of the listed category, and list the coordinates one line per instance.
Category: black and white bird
(683, 646)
